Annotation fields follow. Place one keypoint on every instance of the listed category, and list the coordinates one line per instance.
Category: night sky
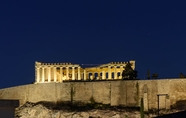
(151, 32)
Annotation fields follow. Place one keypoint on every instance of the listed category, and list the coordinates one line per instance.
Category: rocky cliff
(67, 110)
(48, 110)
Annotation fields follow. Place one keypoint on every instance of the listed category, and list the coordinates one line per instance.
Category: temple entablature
(59, 72)
(40, 64)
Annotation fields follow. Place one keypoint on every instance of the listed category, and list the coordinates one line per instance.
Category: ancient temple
(59, 72)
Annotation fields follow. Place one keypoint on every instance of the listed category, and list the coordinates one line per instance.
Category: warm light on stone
(59, 72)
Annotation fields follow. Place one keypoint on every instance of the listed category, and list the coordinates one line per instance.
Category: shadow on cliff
(79, 106)
(181, 114)
(179, 109)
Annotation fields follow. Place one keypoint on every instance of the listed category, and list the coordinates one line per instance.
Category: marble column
(115, 72)
(79, 74)
(49, 74)
(55, 74)
(38, 75)
(121, 71)
(109, 72)
(73, 73)
(67, 73)
(43, 75)
(103, 75)
(84, 77)
(61, 74)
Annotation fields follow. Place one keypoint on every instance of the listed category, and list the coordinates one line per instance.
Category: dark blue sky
(91, 32)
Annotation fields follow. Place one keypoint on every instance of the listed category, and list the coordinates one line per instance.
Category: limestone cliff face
(50, 110)
(30, 110)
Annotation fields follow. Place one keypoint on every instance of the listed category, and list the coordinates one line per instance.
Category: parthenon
(59, 72)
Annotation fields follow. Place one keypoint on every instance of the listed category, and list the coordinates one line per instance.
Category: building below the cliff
(7, 108)
(59, 72)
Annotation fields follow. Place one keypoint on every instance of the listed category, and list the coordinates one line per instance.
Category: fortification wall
(126, 93)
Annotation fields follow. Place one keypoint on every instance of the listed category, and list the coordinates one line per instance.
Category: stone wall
(125, 93)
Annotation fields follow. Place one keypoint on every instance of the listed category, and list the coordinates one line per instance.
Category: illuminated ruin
(59, 72)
